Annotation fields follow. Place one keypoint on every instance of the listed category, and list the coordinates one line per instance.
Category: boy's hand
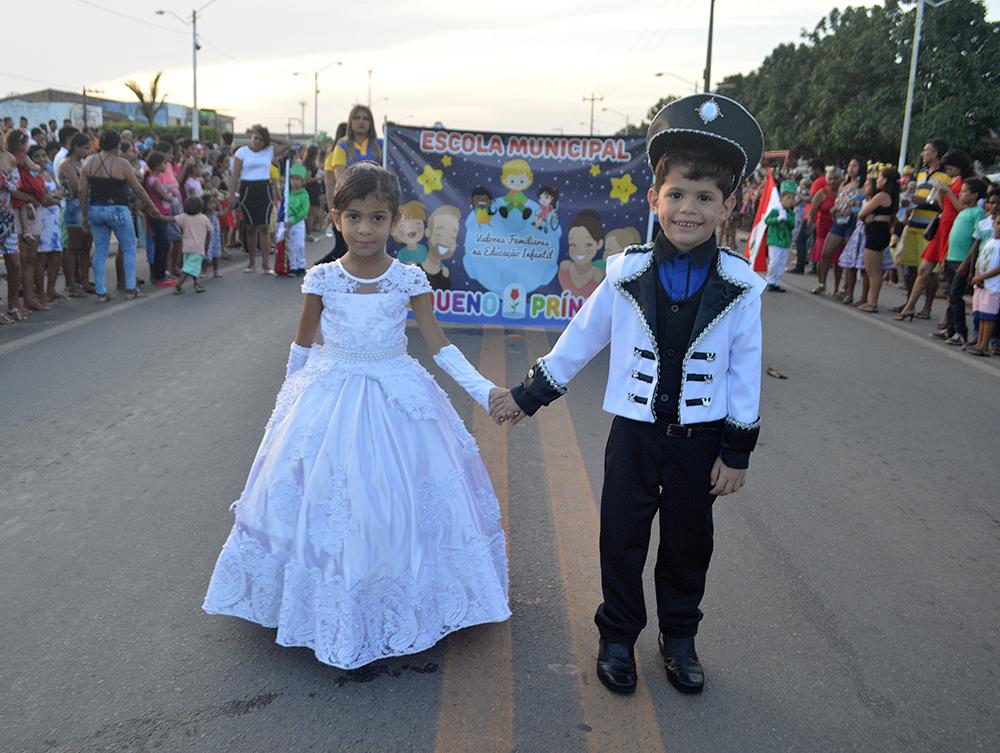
(503, 408)
(726, 480)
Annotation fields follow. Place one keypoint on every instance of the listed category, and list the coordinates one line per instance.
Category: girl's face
(953, 172)
(257, 142)
(854, 168)
(992, 206)
(81, 151)
(39, 157)
(361, 124)
(545, 200)
(881, 183)
(582, 245)
(366, 224)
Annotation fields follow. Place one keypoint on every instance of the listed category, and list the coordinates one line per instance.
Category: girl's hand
(977, 280)
(726, 480)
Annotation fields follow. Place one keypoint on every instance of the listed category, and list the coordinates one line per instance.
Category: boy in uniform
(683, 319)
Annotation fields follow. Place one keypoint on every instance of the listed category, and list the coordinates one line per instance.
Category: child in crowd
(986, 289)
(368, 527)
(780, 222)
(196, 229)
(410, 230)
(297, 212)
(211, 199)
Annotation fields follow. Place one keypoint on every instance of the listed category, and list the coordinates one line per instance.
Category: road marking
(476, 708)
(873, 319)
(616, 722)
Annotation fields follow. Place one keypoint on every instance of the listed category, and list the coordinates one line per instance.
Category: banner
(514, 229)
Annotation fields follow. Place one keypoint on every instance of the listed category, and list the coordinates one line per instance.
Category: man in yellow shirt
(923, 212)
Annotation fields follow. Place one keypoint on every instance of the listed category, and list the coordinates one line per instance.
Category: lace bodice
(365, 315)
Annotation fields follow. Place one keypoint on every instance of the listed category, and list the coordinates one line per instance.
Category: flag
(756, 251)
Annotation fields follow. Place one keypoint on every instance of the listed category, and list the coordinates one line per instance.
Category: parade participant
(683, 320)
(196, 230)
(104, 206)
(77, 258)
(298, 211)
(8, 235)
(958, 166)
(780, 223)
(250, 188)
(876, 214)
(368, 527)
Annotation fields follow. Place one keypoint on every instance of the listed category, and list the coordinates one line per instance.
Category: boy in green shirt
(780, 222)
(959, 244)
(297, 211)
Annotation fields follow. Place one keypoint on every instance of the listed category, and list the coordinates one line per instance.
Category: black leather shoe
(616, 667)
(684, 671)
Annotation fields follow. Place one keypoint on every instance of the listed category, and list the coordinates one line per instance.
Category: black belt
(691, 430)
(102, 202)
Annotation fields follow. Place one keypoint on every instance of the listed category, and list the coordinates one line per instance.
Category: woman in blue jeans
(104, 204)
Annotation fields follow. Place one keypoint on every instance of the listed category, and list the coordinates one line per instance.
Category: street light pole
(628, 127)
(708, 60)
(592, 99)
(195, 116)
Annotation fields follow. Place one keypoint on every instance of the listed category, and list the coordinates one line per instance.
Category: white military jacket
(721, 369)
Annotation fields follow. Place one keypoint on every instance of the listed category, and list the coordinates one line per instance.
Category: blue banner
(514, 229)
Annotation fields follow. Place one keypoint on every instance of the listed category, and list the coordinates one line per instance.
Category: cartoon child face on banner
(510, 249)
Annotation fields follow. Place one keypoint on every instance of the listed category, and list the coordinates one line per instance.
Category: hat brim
(728, 152)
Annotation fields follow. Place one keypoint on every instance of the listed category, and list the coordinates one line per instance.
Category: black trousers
(645, 473)
(956, 301)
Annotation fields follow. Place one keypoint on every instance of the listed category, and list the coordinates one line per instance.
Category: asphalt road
(852, 601)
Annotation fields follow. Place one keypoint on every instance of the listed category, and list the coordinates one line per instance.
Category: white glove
(297, 357)
(451, 360)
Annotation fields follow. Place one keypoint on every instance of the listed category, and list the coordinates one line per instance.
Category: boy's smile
(688, 210)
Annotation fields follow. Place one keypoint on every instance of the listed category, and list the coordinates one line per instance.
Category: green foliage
(149, 102)
(842, 90)
(206, 134)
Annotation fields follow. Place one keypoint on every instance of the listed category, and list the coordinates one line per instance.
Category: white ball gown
(368, 527)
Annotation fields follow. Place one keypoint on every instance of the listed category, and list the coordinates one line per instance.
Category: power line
(130, 18)
(219, 50)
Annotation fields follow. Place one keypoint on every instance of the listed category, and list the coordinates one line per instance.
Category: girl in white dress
(368, 527)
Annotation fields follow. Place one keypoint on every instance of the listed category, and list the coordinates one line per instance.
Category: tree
(151, 102)
(841, 90)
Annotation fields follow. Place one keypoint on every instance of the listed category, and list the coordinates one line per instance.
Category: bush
(208, 134)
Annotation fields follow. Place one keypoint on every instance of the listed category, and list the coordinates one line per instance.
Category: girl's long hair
(892, 186)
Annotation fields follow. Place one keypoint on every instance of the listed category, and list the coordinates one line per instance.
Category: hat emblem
(709, 110)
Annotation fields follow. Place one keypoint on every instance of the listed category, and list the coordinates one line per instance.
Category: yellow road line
(616, 722)
(476, 710)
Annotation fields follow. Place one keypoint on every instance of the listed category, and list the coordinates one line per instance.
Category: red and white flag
(756, 251)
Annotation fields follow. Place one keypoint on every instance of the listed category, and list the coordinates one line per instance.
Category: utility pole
(87, 89)
(592, 99)
(302, 104)
(708, 59)
(369, 91)
(911, 82)
(195, 115)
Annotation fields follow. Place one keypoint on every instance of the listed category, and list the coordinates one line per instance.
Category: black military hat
(708, 120)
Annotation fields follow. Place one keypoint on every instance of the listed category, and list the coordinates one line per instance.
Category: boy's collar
(664, 250)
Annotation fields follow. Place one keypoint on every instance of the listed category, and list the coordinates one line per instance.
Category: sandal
(104, 298)
(178, 290)
(4, 319)
(974, 351)
(15, 315)
(923, 315)
(198, 288)
(36, 306)
(819, 290)
(131, 295)
(867, 308)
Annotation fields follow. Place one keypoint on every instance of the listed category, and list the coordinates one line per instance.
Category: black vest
(674, 324)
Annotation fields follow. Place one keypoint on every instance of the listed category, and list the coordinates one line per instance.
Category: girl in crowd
(821, 207)
(846, 206)
(314, 182)
(79, 242)
(250, 189)
(166, 206)
(354, 557)
(50, 247)
(105, 207)
(958, 165)
(877, 214)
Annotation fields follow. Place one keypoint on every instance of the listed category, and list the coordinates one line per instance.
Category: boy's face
(967, 198)
(481, 201)
(688, 210)
(996, 227)
(516, 181)
(992, 205)
(788, 200)
(297, 183)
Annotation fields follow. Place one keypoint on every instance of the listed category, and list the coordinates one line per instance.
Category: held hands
(503, 408)
(726, 480)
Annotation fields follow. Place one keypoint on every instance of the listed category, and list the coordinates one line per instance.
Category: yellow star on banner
(595, 170)
(430, 179)
(622, 188)
(446, 160)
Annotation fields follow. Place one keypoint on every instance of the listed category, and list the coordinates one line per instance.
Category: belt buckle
(677, 430)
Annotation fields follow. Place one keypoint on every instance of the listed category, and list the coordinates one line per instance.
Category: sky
(523, 67)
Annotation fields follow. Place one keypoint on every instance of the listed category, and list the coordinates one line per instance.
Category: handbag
(931, 230)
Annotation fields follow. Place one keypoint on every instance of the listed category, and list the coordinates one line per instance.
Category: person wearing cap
(298, 210)
(682, 316)
(780, 222)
